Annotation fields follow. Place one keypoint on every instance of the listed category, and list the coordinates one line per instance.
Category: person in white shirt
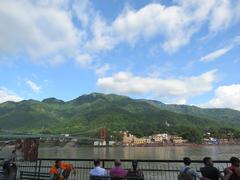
(97, 170)
(191, 174)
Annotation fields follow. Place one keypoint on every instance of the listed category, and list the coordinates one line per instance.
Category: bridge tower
(103, 133)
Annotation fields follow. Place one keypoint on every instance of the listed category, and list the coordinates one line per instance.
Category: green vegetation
(86, 114)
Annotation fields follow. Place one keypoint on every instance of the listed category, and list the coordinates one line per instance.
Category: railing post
(103, 164)
(36, 164)
(39, 168)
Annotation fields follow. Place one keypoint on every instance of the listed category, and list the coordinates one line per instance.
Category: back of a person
(118, 172)
(211, 173)
(135, 175)
(234, 168)
(10, 169)
(185, 174)
(98, 171)
(234, 176)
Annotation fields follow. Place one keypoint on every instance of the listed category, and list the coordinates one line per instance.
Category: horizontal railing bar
(128, 160)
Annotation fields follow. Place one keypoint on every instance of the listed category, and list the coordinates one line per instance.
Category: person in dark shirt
(209, 171)
(233, 172)
(135, 172)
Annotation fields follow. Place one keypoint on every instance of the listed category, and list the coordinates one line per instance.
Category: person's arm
(195, 174)
(227, 174)
(105, 173)
(73, 170)
(219, 174)
(237, 171)
(51, 176)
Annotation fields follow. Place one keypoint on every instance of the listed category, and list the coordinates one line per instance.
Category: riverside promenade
(152, 169)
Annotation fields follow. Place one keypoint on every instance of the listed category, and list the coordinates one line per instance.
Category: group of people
(117, 171)
(61, 171)
(209, 172)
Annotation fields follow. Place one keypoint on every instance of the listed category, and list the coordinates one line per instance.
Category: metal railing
(152, 169)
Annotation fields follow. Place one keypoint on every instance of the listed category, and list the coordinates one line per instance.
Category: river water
(223, 152)
(220, 152)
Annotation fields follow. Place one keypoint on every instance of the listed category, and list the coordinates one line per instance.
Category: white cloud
(83, 60)
(216, 54)
(220, 52)
(130, 26)
(67, 29)
(176, 24)
(84, 11)
(57, 60)
(100, 71)
(40, 30)
(6, 95)
(179, 88)
(222, 15)
(35, 88)
(226, 97)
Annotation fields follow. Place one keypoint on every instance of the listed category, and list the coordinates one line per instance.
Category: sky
(174, 51)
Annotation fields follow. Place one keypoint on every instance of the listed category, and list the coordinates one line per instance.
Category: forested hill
(87, 113)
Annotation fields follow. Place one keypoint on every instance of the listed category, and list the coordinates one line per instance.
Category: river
(219, 152)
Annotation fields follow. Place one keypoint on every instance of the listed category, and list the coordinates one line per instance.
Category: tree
(193, 135)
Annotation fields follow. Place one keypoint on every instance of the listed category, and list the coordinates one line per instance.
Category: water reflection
(198, 152)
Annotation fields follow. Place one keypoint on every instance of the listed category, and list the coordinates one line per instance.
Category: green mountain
(87, 113)
(222, 115)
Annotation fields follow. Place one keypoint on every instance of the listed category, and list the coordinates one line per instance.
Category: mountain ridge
(88, 112)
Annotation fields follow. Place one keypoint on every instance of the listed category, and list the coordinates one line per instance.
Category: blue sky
(179, 51)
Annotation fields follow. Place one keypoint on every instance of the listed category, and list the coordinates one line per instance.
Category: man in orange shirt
(60, 170)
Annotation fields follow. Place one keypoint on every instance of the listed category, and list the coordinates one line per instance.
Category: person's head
(58, 163)
(207, 161)
(96, 162)
(235, 161)
(134, 164)
(117, 163)
(187, 161)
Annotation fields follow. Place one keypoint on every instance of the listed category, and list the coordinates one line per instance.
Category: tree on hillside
(193, 135)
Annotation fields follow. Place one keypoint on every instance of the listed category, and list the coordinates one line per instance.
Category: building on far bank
(160, 138)
(138, 141)
(178, 140)
(127, 138)
(111, 143)
(148, 140)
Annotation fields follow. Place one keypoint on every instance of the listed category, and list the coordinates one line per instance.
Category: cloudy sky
(175, 51)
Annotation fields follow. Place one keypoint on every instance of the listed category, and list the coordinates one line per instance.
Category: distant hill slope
(219, 114)
(87, 113)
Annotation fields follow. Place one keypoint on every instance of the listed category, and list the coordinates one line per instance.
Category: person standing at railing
(209, 171)
(10, 169)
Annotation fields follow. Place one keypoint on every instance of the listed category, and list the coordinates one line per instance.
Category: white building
(160, 137)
